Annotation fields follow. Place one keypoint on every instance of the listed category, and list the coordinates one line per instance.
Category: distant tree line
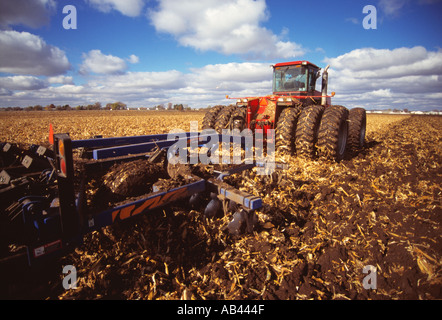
(170, 106)
(97, 106)
(51, 107)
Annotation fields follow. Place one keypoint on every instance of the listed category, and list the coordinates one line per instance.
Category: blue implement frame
(67, 221)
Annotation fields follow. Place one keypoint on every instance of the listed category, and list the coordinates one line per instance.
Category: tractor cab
(295, 77)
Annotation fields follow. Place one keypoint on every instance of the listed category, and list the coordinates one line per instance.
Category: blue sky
(149, 52)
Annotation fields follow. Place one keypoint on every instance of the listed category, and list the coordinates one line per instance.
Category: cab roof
(292, 63)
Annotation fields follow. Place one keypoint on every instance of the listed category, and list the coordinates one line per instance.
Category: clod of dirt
(131, 179)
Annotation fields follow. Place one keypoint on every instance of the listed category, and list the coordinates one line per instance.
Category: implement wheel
(333, 133)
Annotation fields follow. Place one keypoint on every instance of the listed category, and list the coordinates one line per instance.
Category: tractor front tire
(333, 133)
(357, 119)
(307, 130)
(286, 130)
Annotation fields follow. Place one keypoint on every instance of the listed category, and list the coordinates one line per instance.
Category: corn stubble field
(320, 224)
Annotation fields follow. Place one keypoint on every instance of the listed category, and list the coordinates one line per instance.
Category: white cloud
(228, 27)
(61, 80)
(376, 60)
(392, 7)
(130, 8)
(148, 81)
(133, 59)
(243, 79)
(398, 78)
(5, 92)
(22, 83)
(97, 62)
(31, 13)
(379, 93)
(353, 20)
(199, 87)
(25, 53)
(243, 72)
(208, 85)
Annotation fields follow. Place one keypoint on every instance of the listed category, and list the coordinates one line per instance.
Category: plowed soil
(320, 225)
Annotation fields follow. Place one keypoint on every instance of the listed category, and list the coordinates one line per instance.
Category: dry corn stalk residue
(320, 224)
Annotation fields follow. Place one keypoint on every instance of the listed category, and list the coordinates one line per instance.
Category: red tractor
(305, 121)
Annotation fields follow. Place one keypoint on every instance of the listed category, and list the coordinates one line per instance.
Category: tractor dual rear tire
(333, 133)
(238, 119)
(210, 117)
(307, 131)
(357, 119)
(286, 130)
(223, 118)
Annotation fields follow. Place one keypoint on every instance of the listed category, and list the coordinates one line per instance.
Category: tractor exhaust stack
(324, 85)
